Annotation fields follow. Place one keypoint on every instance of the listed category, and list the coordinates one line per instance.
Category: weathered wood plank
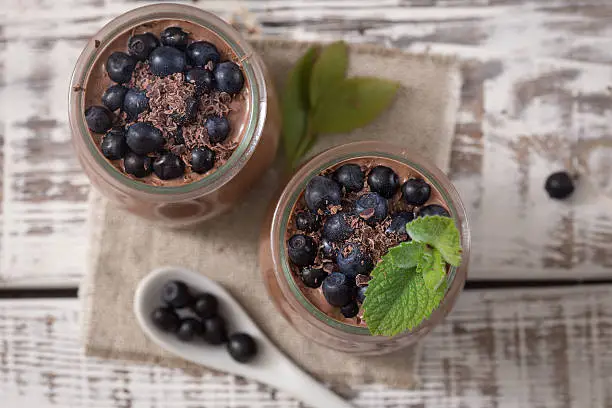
(537, 88)
(508, 348)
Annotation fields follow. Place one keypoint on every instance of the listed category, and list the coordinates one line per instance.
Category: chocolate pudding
(159, 69)
(371, 228)
(182, 109)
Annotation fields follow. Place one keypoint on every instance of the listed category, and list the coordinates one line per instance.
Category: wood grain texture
(537, 92)
(498, 349)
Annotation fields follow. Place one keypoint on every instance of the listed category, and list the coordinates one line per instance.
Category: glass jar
(283, 288)
(195, 201)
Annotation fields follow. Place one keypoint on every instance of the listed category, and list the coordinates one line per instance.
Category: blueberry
(350, 176)
(302, 250)
(313, 277)
(383, 181)
(353, 261)
(141, 45)
(165, 61)
(228, 77)
(136, 165)
(98, 118)
(338, 289)
(433, 209)
(559, 185)
(337, 228)
(144, 138)
(327, 249)
(113, 144)
(307, 221)
(416, 191)
(372, 207)
(135, 103)
(217, 128)
(242, 347)
(321, 192)
(202, 159)
(203, 79)
(205, 305)
(178, 136)
(361, 294)
(120, 67)
(199, 53)
(215, 331)
(168, 166)
(174, 37)
(350, 310)
(189, 329)
(176, 294)
(113, 97)
(165, 319)
(398, 222)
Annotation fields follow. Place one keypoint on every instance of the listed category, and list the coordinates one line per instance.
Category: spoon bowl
(269, 366)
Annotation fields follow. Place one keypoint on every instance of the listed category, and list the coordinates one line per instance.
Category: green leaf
(439, 232)
(329, 70)
(305, 145)
(409, 282)
(397, 300)
(295, 103)
(436, 297)
(352, 103)
(407, 254)
(433, 268)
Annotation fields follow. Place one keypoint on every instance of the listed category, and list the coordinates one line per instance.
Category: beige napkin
(125, 248)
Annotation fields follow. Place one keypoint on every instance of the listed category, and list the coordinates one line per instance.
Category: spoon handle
(292, 379)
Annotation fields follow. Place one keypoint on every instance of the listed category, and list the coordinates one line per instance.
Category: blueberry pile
(145, 132)
(346, 221)
(192, 317)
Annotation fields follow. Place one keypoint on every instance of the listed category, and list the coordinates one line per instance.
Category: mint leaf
(295, 104)
(409, 282)
(352, 103)
(436, 296)
(439, 232)
(433, 268)
(329, 70)
(407, 254)
(397, 300)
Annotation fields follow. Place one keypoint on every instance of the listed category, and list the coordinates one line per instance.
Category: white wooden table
(538, 80)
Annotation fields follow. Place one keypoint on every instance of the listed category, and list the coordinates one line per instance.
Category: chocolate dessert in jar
(173, 115)
(341, 220)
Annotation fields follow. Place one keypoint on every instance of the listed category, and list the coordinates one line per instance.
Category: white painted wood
(507, 349)
(537, 77)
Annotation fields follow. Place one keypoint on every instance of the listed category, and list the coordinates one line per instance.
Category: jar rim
(290, 194)
(252, 68)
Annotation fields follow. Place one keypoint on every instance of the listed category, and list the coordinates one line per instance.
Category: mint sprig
(318, 99)
(409, 282)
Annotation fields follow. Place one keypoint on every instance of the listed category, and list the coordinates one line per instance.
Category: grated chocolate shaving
(362, 280)
(367, 214)
(173, 103)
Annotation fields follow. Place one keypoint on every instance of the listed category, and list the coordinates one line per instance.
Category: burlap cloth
(125, 248)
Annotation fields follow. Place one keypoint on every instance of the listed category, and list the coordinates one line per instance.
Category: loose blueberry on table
(559, 185)
(166, 115)
(345, 221)
(195, 317)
